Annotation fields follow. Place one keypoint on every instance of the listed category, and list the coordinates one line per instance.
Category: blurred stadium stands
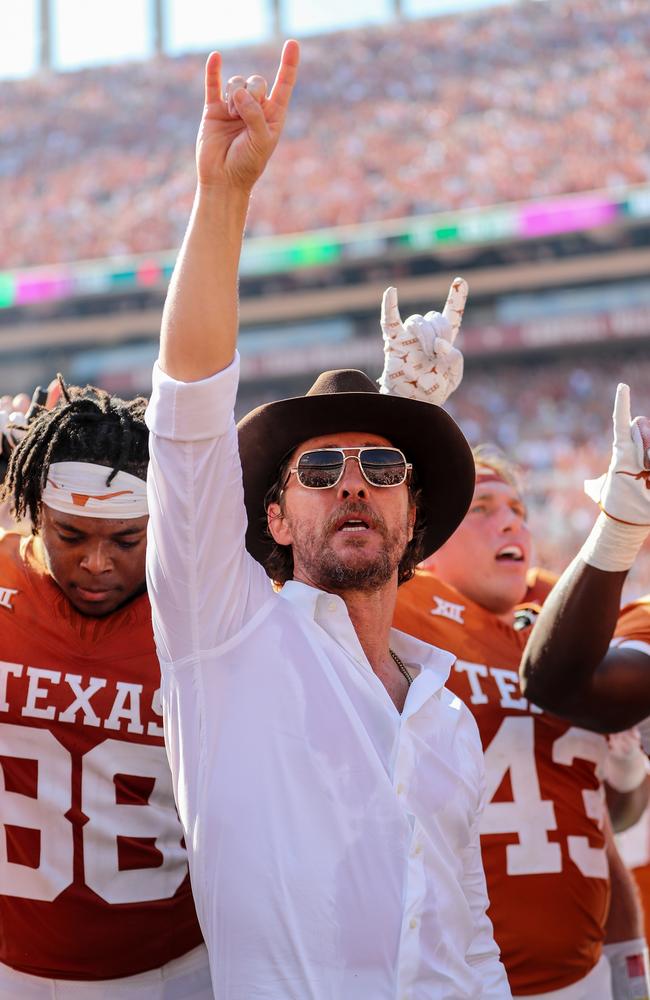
(509, 145)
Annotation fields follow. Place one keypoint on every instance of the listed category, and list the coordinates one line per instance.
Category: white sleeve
(202, 582)
(483, 953)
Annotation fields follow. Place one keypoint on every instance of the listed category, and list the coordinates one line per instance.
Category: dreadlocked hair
(86, 425)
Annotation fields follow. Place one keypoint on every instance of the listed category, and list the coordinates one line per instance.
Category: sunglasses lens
(383, 466)
(319, 470)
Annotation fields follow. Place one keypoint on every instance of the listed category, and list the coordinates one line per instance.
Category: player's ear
(430, 564)
(277, 524)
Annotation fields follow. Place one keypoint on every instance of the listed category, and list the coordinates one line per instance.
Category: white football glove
(626, 765)
(624, 492)
(420, 360)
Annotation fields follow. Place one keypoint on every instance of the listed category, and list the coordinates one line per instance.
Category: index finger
(390, 320)
(455, 306)
(213, 78)
(54, 394)
(286, 76)
(622, 416)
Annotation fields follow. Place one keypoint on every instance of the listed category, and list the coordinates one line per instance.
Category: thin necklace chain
(400, 666)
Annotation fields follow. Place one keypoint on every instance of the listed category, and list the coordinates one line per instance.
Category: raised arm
(568, 666)
(202, 582)
(235, 142)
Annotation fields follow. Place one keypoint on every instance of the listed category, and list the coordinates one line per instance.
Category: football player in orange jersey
(95, 897)
(545, 838)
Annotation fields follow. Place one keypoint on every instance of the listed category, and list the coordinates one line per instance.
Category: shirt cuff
(192, 411)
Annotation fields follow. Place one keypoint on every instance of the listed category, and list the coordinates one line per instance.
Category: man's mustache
(355, 510)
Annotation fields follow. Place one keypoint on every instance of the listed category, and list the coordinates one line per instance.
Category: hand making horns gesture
(420, 360)
(240, 130)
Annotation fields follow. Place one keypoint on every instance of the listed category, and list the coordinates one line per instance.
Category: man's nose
(96, 559)
(352, 482)
(509, 519)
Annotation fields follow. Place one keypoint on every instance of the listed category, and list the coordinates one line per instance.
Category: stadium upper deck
(496, 106)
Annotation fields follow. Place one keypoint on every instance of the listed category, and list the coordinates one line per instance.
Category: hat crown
(342, 380)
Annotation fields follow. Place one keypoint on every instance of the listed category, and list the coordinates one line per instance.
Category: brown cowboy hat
(348, 400)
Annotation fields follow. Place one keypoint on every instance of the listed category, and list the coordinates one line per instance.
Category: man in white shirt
(329, 786)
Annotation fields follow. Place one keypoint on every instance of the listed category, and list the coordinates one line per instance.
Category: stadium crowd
(494, 106)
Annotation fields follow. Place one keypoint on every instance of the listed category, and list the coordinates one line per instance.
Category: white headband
(80, 488)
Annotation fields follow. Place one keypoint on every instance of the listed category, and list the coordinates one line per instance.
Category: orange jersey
(634, 622)
(543, 844)
(93, 872)
(539, 583)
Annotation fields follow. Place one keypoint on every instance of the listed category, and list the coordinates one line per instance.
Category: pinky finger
(455, 305)
(390, 321)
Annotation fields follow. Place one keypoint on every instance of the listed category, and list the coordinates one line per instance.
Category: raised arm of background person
(234, 144)
(567, 666)
(626, 808)
(625, 918)
(625, 777)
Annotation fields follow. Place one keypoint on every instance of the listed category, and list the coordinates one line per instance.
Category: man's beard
(329, 570)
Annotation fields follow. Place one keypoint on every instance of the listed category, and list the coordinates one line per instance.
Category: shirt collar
(435, 663)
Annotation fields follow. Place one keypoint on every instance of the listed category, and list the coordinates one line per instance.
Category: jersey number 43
(527, 814)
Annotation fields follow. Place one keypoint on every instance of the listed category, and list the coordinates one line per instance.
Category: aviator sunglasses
(322, 468)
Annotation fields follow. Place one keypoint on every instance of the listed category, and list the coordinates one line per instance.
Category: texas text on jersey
(94, 881)
(543, 847)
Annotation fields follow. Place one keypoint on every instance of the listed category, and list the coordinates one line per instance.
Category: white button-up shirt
(333, 843)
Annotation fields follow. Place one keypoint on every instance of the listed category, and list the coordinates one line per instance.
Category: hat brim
(431, 440)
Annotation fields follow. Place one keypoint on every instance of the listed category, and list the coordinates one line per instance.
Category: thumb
(391, 321)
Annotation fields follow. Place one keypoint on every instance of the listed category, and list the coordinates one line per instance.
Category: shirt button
(400, 789)
(331, 606)
(413, 924)
(417, 849)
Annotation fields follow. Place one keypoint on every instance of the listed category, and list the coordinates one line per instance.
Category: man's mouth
(93, 595)
(510, 553)
(353, 524)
